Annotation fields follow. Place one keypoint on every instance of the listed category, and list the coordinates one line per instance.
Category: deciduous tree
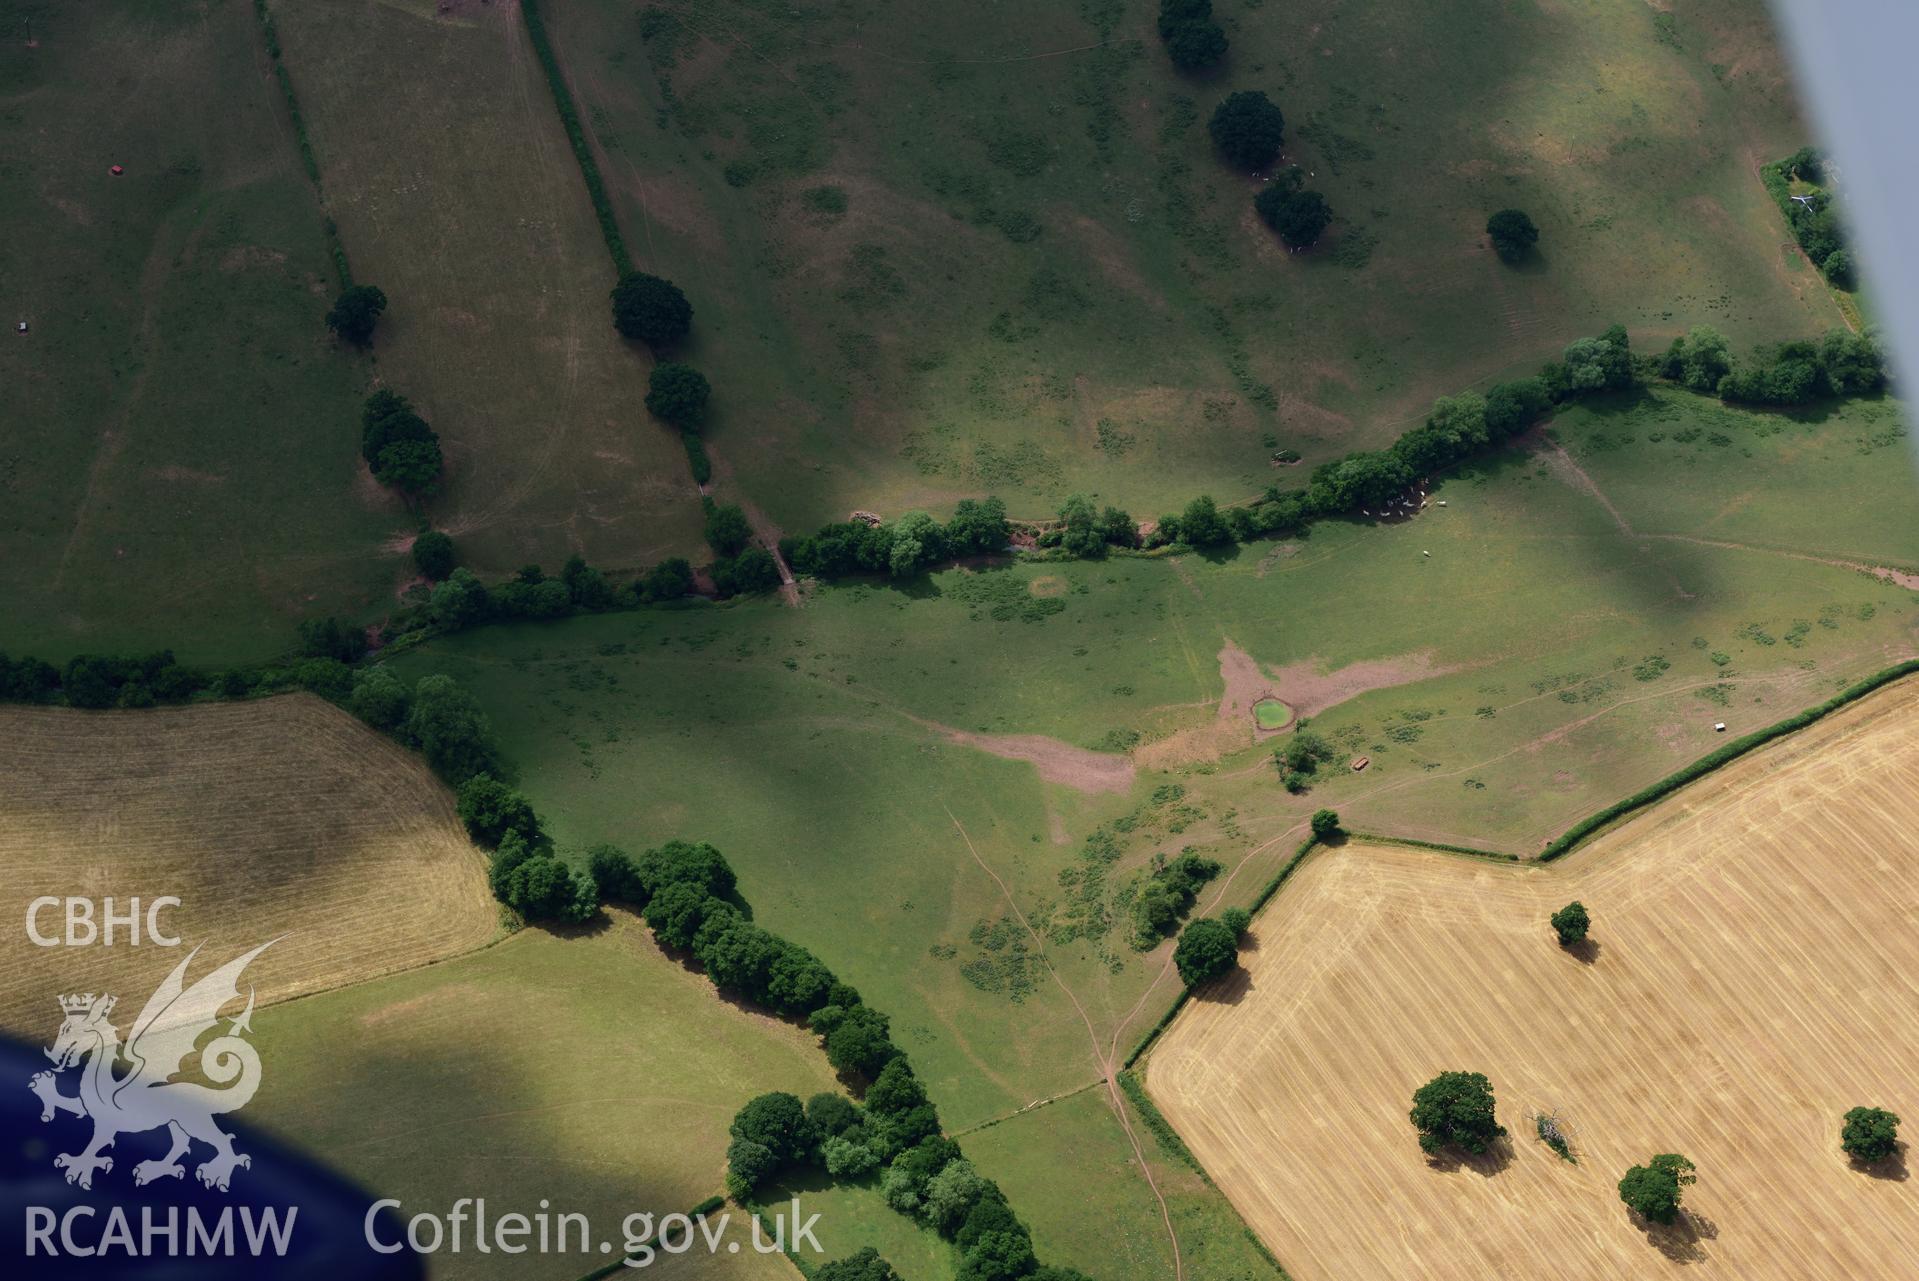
(1570, 923)
(1513, 234)
(356, 312)
(1869, 1134)
(651, 309)
(1653, 1190)
(677, 394)
(1207, 949)
(1247, 129)
(1455, 1110)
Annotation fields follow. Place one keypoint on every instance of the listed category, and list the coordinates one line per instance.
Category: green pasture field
(1111, 1224)
(1815, 482)
(1567, 662)
(982, 248)
(449, 174)
(178, 465)
(853, 1216)
(592, 1071)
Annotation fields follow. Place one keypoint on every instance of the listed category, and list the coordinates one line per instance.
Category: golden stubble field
(281, 816)
(1756, 974)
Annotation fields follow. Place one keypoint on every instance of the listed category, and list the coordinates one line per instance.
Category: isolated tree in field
(1193, 40)
(677, 395)
(355, 313)
(1869, 1134)
(1247, 129)
(1570, 923)
(1455, 1110)
(1652, 1190)
(433, 555)
(1325, 824)
(1207, 948)
(1298, 217)
(651, 309)
(1513, 234)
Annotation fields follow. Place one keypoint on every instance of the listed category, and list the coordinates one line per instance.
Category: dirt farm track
(1755, 974)
(280, 816)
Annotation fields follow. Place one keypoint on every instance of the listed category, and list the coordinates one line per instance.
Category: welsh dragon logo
(130, 1089)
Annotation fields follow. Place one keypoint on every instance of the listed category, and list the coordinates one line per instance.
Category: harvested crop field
(280, 816)
(1753, 973)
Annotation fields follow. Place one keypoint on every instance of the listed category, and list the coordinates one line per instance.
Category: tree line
(688, 896)
(1813, 220)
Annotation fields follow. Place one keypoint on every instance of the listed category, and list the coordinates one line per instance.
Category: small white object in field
(1442, 502)
(23, 326)
(1719, 726)
(1425, 553)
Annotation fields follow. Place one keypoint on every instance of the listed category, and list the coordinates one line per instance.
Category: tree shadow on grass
(1892, 1169)
(1680, 1239)
(1219, 553)
(599, 923)
(1485, 1164)
(1531, 263)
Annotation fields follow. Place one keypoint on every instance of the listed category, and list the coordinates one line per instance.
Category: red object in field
(116, 171)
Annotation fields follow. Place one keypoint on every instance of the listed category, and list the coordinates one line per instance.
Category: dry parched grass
(1753, 973)
(283, 816)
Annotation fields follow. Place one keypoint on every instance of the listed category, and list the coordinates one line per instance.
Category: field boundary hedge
(1163, 1132)
(1590, 825)
(1464, 851)
(1186, 994)
(622, 1263)
(576, 135)
(308, 159)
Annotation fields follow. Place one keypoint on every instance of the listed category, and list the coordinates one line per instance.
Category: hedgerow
(1156, 1122)
(576, 135)
(308, 160)
(1672, 782)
